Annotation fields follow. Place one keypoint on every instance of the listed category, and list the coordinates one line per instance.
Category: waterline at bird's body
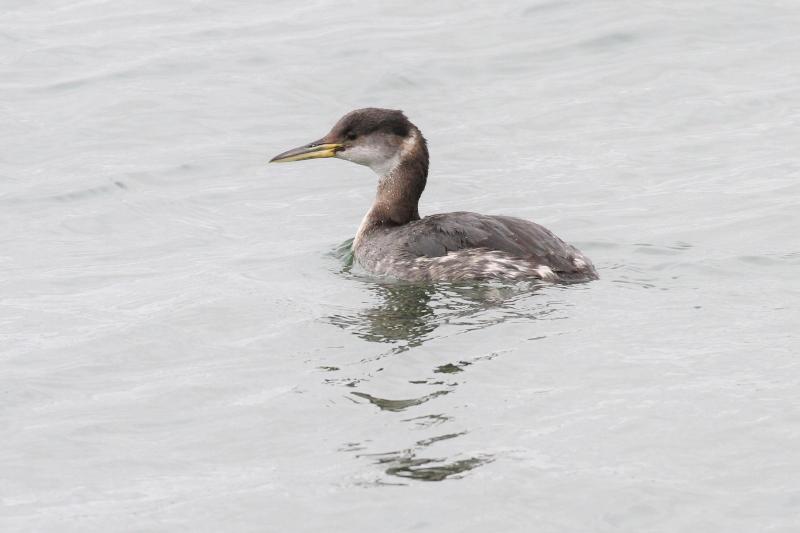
(394, 241)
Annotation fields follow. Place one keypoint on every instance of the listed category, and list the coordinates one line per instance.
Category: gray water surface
(183, 347)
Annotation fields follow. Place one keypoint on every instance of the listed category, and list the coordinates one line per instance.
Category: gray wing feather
(437, 235)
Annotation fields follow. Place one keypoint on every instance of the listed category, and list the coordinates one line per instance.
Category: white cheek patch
(376, 156)
(379, 153)
(357, 154)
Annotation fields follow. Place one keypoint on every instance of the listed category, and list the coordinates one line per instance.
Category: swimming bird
(393, 240)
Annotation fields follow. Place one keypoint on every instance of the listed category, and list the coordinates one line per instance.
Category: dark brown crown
(372, 120)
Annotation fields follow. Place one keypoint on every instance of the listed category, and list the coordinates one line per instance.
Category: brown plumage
(392, 239)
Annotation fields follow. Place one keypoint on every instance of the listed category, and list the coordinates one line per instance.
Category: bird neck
(400, 186)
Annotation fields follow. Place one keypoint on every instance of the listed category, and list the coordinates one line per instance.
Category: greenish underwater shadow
(402, 316)
(408, 314)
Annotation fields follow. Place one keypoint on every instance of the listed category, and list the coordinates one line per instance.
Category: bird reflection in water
(408, 315)
(407, 463)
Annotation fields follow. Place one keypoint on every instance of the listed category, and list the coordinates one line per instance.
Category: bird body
(394, 241)
(470, 246)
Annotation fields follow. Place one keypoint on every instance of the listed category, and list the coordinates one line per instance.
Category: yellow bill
(314, 150)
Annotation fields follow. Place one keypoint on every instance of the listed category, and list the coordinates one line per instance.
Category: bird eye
(351, 135)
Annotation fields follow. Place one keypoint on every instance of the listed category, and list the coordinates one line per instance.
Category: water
(184, 348)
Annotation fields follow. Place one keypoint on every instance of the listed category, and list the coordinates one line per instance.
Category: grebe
(394, 241)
